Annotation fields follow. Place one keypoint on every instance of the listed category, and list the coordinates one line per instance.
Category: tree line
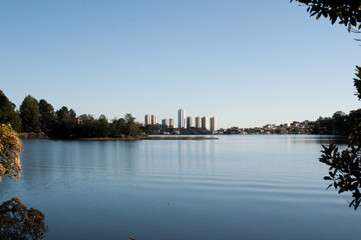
(339, 124)
(36, 116)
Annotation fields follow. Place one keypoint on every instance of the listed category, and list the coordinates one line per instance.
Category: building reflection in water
(179, 155)
(197, 155)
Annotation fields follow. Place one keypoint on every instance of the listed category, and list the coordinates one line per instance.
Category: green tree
(29, 113)
(47, 116)
(66, 122)
(119, 127)
(10, 150)
(132, 129)
(129, 118)
(345, 165)
(16, 221)
(8, 115)
(102, 127)
(357, 82)
(86, 128)
(347, 12)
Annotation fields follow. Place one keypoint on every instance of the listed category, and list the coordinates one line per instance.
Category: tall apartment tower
(181, 119)
(214, 124)
(198, 122)
(147, 120)
(190, 122)
(205, 123)
(171, 122)
(165, 123)
(153, 119)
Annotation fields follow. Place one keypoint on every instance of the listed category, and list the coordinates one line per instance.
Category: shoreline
(158, 137)
(180, 138)
(24, 136)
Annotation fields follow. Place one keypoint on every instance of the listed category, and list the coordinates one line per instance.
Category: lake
(236, 187)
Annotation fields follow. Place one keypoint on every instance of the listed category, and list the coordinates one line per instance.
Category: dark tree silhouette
(29, 113)
(345, 165)
(347, 12)
(8, 115)
(17, 222)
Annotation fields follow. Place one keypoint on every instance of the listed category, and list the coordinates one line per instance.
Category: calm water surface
(236, 187)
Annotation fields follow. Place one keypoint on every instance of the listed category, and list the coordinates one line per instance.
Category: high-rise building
(190, 122)
(165, 123)
(205, 123)
(198, 122)
(147, 120)
(181, 119)
(214, 124)
(154, 120)
(171, 122)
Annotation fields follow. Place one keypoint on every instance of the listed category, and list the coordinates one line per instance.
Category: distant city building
(153, 119)
(147, 120)
(171, 123)
(205, 123)
(214, 124)
(198, 122)
(190, 122)
(181, 119)
(165, 123)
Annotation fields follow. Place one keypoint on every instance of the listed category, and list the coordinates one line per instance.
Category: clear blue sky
(247, 62)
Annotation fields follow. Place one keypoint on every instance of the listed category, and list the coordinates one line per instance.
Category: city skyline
(119, 57)
(184, 122)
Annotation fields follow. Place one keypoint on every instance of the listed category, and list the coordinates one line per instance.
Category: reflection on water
(198, 155)
(19, 222)
(237, 187)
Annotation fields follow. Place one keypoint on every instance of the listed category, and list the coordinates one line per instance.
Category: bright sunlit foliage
(10, 150)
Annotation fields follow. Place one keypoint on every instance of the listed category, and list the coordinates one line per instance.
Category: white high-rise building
(214, 124)
(171, 122)
(198, 122)
(190, 122)
(205, 123)
(147, 120)
(181, 119)
(165, 123)
(154, 120)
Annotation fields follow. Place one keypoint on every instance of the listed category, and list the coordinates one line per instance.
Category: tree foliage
(357, 82)
(10, 150)
(345, 165)
(335, 125)
(64, 123)
(132, 129)
(47, 116)
(17, 222)
(29, 113)
(8, 115)
(346, 12)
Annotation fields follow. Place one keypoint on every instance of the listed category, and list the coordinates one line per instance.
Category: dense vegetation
(40, 117)
(10, 150)
(339, 124)
(344, 165)
(16, 220)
